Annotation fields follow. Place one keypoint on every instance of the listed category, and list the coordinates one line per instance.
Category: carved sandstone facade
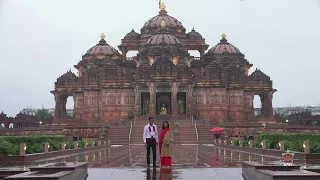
(110, 86)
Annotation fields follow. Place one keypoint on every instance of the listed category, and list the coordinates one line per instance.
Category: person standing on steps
(150, 138)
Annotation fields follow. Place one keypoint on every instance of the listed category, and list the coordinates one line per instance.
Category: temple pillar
(190, 99)
(75, 106)
(174, 100)
(201, 51)
(248, 106)
(263, 104)
(137, 95)
(269, 109)
(124, 51)
(58, 106)
(152, 98)
(64, 107)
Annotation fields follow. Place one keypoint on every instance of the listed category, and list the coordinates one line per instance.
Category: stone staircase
(204, 134)
(119, 134)
(183, 134)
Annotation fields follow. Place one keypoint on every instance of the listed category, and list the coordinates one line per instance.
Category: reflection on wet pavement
(166, 174)
(189, 162)
(184, 156)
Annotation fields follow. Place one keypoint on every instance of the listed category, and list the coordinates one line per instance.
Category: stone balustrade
(23, 146)
(306, 145)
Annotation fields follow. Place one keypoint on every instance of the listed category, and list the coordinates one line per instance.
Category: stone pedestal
(23, 148)
(46, 147)
(63, 146)
(281, 144)
(263, 144)
(306, 147)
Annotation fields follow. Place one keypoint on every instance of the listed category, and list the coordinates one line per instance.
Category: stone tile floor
(165, 174)
(189, 162)
(184, 156)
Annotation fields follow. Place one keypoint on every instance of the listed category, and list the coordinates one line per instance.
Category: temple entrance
(182, 97)
(163, 103)
(145, 100)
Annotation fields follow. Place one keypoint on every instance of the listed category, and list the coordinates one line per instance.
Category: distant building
(51, 111)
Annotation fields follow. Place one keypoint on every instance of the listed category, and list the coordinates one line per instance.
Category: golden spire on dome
(163, 23)
(162, 7)
(223, 35)
(102, 36)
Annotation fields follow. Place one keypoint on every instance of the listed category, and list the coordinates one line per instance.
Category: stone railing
(249, 148)
(305, 145)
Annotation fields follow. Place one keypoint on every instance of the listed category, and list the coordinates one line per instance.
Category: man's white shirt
(147, 134)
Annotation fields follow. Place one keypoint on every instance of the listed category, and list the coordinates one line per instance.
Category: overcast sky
(42, 39)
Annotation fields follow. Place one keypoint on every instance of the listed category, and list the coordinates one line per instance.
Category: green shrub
(245, 143)
(7, 148)
(70, 145)
(292, 141)
(236, 143)
(35, 143)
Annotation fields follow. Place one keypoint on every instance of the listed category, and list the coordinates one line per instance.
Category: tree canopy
(42, 113)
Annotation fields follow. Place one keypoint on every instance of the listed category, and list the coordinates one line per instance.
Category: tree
(42, 113)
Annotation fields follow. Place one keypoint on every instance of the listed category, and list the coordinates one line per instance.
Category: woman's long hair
(163, 124)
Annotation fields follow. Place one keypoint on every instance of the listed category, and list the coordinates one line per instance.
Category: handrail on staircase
(130, 132)
(195, 126)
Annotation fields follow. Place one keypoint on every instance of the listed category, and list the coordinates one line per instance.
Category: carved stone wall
(248, 106)
(211, 103)
(236, 105)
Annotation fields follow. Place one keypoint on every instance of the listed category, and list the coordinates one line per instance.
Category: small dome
(224, 47)
(67, 76)
(102, 49)
(132, 35)
(258, 75)
(194, 35)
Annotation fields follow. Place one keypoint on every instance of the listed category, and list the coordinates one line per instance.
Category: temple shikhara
(163, 79)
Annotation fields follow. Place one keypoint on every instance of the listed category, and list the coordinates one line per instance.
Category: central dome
(174, 26)
(163, 38)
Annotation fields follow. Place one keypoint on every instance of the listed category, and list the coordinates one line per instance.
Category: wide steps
(204, 134)
(119, 135)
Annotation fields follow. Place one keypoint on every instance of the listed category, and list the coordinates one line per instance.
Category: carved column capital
(175, 86)
(151, 87)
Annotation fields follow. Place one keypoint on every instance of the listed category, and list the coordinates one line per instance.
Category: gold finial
(162, 7)
(163, 23)
(102, 36)
(224, 35)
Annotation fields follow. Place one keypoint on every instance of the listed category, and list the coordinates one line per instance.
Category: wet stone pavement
(184, 156)
(166, 174)
(189, 162)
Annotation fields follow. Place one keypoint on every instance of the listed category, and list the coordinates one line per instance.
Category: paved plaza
(163, 174)
(189, 162)
(184, 156)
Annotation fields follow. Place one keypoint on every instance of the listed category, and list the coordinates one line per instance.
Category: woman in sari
(165, 145)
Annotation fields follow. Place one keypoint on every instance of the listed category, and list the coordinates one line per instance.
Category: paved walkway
(166, 174)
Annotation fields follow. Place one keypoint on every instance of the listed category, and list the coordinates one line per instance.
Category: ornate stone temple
(163, 79)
